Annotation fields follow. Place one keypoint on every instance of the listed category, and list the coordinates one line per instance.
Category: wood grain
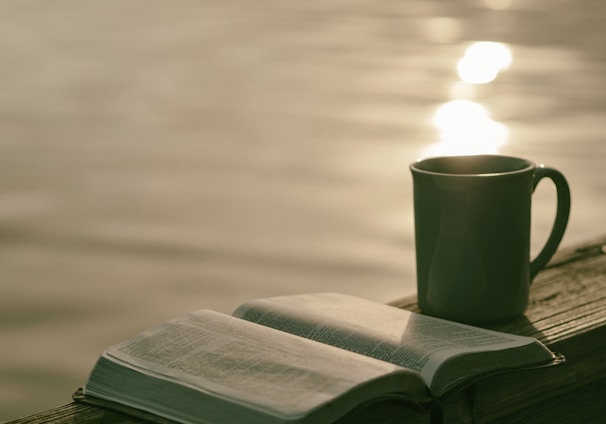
(567, 311)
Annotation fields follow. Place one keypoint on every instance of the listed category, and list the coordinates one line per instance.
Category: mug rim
(525, 165)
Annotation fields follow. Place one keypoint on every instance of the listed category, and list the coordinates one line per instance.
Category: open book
(312, 358)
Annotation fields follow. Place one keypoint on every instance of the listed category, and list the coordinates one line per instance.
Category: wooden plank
(567, 311)
(566, 299)
(500, 396)
(585, 405)
(75, 413)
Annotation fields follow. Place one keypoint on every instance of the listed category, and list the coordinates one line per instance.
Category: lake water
(159, 157)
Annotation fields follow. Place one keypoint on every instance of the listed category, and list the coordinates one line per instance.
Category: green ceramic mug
(472, 234)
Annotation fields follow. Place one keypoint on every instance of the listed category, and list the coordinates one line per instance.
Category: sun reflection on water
(466, 127)
(483, 61)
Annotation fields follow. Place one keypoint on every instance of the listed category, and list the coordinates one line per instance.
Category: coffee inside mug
(473, 165)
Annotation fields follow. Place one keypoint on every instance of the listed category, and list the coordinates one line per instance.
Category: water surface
(159, 157)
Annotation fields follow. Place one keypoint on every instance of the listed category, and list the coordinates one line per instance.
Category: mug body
(472, 234)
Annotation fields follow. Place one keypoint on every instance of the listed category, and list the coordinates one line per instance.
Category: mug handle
(561, 219)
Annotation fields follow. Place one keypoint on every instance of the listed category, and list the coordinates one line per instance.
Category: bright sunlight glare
(483, 61)
(466, 128)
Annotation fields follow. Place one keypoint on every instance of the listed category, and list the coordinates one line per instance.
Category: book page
(401, 337)
(252, 364)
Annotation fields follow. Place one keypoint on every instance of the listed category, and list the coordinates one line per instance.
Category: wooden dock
(567, 312)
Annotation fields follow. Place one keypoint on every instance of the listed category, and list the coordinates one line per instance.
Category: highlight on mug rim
(472, 165)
